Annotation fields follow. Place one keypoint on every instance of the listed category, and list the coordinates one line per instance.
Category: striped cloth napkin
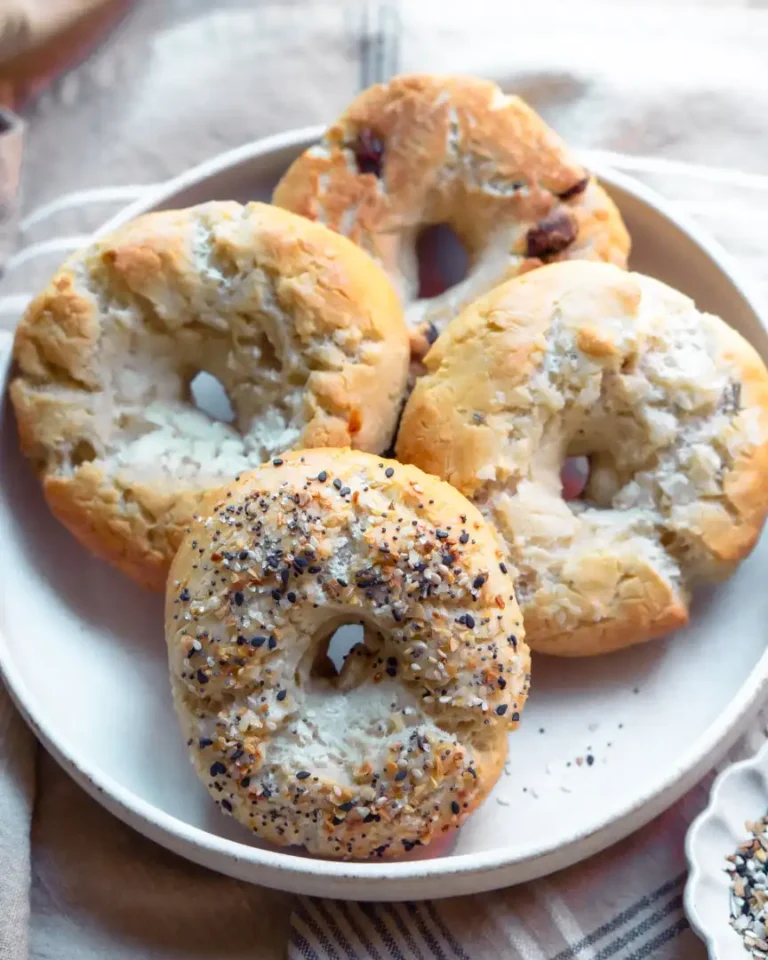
(674, 94)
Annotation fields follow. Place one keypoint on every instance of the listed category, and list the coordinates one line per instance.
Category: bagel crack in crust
(300, 327)
(669, 404)
(424, 150)
(411, 735)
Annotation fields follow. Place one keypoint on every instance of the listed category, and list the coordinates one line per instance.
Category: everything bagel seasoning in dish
(748, 870)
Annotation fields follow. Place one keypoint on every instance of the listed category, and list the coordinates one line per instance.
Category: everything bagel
(298, 324)
(669, 404)
(410, 737)
(424, 150)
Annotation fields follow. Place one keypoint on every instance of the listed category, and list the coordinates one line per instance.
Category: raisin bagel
(299, 325)
(411, 735)
(454, 150)
(669, 404)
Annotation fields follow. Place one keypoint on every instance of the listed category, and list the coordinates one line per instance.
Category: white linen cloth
(677, 95)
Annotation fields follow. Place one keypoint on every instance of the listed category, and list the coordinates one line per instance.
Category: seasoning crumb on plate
(749, 889)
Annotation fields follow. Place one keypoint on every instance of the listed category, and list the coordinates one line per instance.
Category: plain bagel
(297, 323)
(411, 735)
(669, 404)
(422, 150)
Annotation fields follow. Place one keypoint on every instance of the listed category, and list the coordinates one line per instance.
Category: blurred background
(117, 95)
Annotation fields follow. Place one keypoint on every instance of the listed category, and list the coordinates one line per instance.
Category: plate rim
(286, 870)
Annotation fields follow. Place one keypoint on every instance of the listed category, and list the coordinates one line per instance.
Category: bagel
(669, 404)
(423, 150)
(411, 735)
(298, 324)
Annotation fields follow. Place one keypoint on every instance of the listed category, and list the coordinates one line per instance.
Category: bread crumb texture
(423, 150)
(300, 327)
(401, 744)
(669, 404)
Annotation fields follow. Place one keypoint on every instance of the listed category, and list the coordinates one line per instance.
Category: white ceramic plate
(83, 655)
(739, 794)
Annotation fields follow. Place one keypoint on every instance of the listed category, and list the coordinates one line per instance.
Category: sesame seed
(272, 642)
(441, 534)
(204, 742)
(389, 472)
(322, 476)
(503, 567)
(345, 491)
(282, 694)
(258, 641)
(302, 774)
(501, 709)
(401, 775)
(337, 483)
(217, 769)
(455, 808)
(469, 620)
(748, 872)
(239, 598)
(277, 462)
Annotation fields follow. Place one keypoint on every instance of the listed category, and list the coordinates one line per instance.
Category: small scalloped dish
(739, 794)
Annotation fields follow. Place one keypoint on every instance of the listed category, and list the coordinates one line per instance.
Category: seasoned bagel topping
(411, 727)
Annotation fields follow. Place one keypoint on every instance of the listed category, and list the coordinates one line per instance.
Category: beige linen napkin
(676, 94)
(25, 24)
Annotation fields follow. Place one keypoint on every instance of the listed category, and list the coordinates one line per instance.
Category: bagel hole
(442, 260)
(574, 477)
(210, 397)
(334, 653)
(82, 452)
(268, 355)
(343, 641)
(331, 660)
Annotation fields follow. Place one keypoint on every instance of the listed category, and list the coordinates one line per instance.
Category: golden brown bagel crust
(411, 735)
(453, 150)
(670, 404)
(301, 327)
